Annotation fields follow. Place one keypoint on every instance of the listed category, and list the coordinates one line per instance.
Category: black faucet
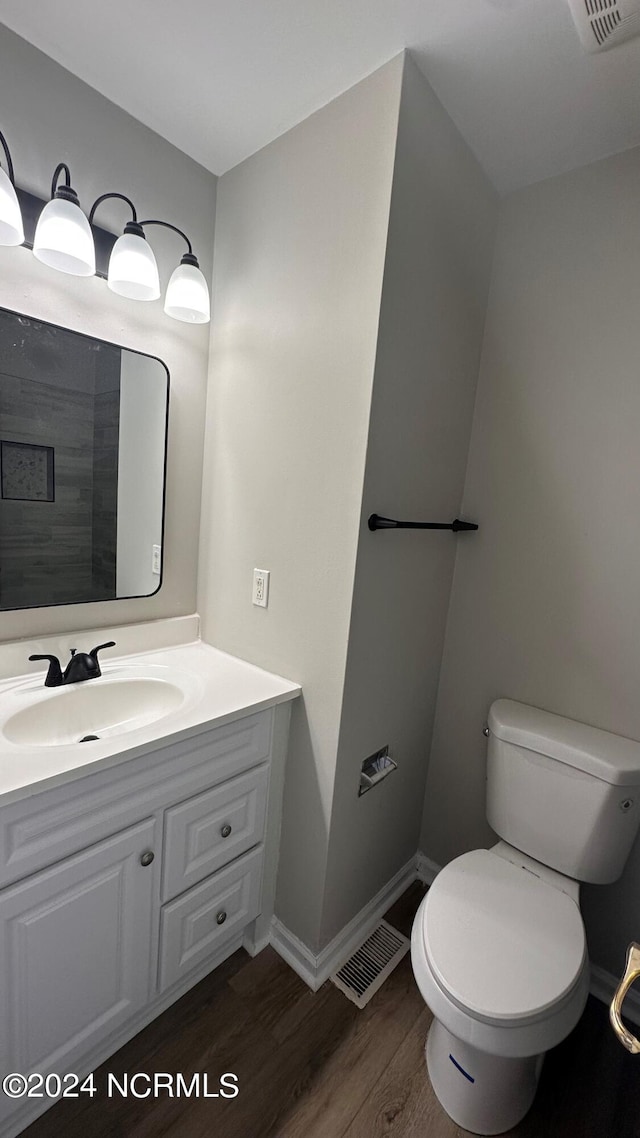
(81, 666)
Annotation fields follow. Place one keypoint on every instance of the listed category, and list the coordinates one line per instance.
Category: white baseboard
(603, 985)
(426, 869)
(315, 969)
(295, 953)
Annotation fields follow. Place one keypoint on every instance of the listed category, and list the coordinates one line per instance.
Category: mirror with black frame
(83, 436)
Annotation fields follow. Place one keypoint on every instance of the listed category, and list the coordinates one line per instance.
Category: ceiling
(222, 78)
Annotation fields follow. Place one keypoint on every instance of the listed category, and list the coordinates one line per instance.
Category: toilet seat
(503, 944)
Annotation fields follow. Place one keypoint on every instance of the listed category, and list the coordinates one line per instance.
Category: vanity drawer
(206, 832)
(197, 924)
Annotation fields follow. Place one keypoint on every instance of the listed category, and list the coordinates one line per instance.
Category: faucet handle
(109, 644)
(94, 654)
(54, 675)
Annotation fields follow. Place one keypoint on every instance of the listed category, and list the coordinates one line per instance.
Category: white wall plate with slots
(260, 595)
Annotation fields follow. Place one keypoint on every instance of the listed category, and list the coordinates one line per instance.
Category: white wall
(299, 255)
(49, 116)
(143, 409)
(436, 279)
(544, 606)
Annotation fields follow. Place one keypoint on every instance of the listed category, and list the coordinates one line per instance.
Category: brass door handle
(631, 973)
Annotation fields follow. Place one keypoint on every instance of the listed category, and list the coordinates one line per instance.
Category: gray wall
(436, 279)
(49, 116)
(300, 243)
(544, 606)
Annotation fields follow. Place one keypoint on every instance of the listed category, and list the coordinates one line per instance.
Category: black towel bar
(376, 522)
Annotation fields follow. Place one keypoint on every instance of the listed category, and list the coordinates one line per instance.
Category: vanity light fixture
(63, 238)
(133, 270)
(11, 229)
(187, 296)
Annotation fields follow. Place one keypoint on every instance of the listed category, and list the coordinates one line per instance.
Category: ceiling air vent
(603, 24)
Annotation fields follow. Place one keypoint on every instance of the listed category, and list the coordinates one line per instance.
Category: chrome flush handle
(631, 973)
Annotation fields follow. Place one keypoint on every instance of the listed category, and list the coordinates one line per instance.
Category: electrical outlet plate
(260, 596)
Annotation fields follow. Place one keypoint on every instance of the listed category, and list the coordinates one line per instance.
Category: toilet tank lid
(609, 757)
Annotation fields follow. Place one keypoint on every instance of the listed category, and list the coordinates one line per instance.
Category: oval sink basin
(99, 707)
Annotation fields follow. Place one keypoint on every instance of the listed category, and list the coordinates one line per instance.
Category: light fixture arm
(65, 192)
(167, 225)
(56, 174)
(5, 147)
(123, 197)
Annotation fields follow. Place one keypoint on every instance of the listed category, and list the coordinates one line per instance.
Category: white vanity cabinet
(121, 889)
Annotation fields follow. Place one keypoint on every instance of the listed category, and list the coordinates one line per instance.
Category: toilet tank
(564, 793)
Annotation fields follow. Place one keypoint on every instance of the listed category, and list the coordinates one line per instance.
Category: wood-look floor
(313, 1066)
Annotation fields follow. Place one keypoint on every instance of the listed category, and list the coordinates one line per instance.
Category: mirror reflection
(82, 466)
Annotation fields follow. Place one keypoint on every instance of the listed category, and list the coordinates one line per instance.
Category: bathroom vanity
(130, 865)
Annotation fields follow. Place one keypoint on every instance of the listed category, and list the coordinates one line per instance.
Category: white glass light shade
(188, 296)
(11, 231)
(64, 240)
(133, 271)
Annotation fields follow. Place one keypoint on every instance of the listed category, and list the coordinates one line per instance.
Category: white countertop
(219, 689)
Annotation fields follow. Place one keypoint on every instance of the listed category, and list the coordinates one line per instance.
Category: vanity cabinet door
(75, 953)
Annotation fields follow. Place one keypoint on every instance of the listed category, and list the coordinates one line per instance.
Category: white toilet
(498, 946)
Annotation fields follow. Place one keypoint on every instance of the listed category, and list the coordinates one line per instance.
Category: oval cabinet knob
(147, 857)
(221, 917)
(226, 830)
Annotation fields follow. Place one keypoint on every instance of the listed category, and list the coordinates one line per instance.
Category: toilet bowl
(498, 945)
(499, 954)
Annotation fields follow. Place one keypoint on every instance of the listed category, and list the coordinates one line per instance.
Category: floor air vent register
(368, 967)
